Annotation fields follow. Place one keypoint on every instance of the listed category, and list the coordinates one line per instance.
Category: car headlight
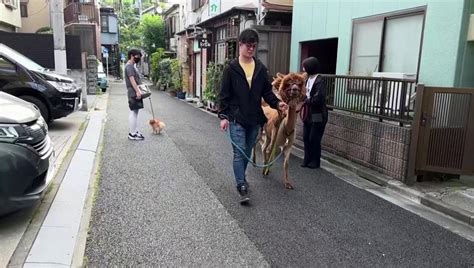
(8, 133)
(63, 87)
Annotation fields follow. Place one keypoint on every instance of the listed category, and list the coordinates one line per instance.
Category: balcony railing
(383, 98)
(81, 12)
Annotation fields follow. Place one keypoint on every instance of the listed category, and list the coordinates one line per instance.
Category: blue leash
(248, 158)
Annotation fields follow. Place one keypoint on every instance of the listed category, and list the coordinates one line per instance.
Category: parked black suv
(55, 95)
(26, 154)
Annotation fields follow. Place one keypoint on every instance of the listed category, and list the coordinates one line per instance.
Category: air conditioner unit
(393, 95)
(10, 3)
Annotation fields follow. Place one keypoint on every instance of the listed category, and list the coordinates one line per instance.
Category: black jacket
(317, 99)
(239, 102)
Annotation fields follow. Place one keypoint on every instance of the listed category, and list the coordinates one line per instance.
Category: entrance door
(445, 129)
(198, 76)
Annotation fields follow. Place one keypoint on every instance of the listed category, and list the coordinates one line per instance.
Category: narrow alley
(170, 200)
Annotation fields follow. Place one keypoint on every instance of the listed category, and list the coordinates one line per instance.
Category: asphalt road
(171, 200)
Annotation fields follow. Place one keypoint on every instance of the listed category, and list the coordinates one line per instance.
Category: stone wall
(378, 145)
(80, 77)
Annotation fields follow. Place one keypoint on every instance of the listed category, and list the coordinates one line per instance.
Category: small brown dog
(157, 125)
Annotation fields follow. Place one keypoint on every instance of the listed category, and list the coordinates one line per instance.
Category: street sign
(122, 56)
(105, 50)
(214, 7)
(204, 43)
(105, 55)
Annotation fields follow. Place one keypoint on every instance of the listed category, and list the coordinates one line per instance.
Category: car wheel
(41, 106)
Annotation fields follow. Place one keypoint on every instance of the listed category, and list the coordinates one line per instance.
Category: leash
(242, 151)
(151, 106)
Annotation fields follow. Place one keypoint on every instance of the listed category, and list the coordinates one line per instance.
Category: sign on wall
(214, 7)
(204, 43)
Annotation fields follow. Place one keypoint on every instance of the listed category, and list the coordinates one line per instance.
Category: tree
(148, 33)
(153, 32)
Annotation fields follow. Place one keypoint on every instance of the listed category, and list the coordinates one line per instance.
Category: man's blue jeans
(245, 138)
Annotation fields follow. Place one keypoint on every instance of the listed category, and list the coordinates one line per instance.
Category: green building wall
(465, 67)
(446, 60)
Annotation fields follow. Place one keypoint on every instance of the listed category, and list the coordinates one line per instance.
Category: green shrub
(214, 75)
(164, 73)
(156, 57)
(176, 75)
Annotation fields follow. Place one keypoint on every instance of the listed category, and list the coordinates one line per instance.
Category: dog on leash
(156, 125)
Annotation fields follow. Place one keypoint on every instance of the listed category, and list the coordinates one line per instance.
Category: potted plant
(211, 92)
(176, 84)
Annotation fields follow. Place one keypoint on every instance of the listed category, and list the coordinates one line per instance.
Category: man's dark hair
(134, 52)
(248, 36)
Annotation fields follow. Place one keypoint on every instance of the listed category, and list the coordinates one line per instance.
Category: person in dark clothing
(244, 83)
(316, 118)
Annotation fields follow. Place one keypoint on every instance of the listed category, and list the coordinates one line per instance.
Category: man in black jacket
(244, 83)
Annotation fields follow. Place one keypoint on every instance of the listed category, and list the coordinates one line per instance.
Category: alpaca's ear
(280, 75)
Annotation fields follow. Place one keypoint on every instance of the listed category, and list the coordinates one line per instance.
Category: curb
(23, 248)
(402, 189)
(363, 172)
(455, 212)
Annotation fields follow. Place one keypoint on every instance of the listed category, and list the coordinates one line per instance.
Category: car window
(21, 59)
(6, 67)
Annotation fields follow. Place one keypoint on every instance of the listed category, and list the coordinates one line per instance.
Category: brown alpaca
(279, 131)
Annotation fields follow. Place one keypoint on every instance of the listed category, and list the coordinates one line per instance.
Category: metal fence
(384, 98)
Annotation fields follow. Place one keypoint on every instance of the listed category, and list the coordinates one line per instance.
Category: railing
(81, 12)
(383, 98)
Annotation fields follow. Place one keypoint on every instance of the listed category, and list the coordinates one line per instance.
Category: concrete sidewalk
(52, 236)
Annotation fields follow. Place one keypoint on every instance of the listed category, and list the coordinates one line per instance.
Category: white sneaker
(139, 135)
(135, 137)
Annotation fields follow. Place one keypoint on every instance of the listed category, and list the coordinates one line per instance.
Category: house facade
(424, 38)
(211, 30)
(172, 21)
(10, 17)
(82, 17)
(109, 39)
(35, 15)
(374, 53)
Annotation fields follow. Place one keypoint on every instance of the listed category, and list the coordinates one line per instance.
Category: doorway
(326, 52)
(198, 76)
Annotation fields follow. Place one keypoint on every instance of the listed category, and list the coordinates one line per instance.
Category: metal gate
(443, 131)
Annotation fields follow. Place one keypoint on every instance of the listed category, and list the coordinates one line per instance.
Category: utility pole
(260, 13)
(57, 20)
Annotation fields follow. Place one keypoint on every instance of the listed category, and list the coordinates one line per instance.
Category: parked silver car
(26, 154)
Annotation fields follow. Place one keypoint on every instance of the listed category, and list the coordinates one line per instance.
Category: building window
(221, 53)
(24, 10)
(389, 43)
(104, 24)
